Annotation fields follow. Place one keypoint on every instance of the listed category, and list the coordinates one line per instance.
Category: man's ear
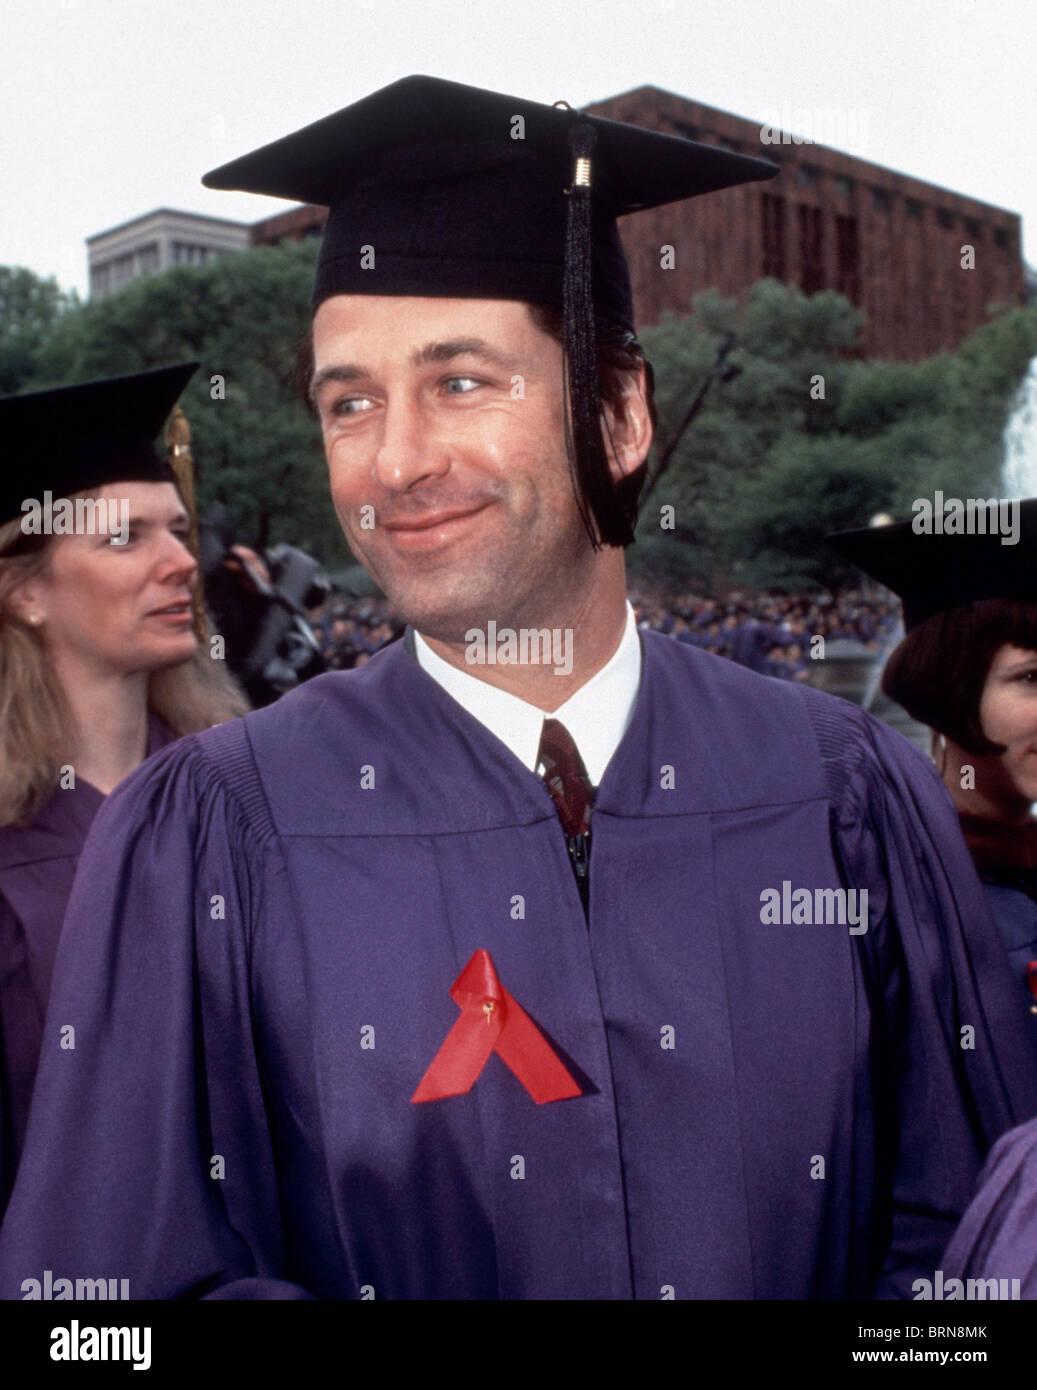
(628, 426)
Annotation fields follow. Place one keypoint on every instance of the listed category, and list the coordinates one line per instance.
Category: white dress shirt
(596, 716)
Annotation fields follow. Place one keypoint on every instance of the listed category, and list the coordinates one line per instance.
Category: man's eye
(119, 539)
(461, 385)
(350, 405)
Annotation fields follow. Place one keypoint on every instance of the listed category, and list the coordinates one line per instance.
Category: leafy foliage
(29, 308)
(769, 467)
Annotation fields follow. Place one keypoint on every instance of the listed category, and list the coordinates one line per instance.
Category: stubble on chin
(448, 607)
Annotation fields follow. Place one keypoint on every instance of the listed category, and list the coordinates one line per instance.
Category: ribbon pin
(492, 1021)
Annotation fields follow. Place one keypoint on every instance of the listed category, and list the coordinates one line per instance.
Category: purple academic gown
(37, 865)
(257, 965)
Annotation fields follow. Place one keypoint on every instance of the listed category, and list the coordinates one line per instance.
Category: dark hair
(940, 668)
(618, 352)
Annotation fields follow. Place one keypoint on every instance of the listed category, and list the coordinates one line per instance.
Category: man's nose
(409, 451)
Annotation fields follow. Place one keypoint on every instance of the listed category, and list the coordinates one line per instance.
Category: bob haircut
(938, 671)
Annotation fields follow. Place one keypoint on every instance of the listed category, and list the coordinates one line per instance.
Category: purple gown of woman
(37, 866)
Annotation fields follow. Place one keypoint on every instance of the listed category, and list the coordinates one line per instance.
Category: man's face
(444, 433)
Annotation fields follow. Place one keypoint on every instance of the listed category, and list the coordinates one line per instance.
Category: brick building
(294, 225)
(829, 220)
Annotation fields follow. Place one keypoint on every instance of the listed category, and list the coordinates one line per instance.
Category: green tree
(809, 438)
(30, 306)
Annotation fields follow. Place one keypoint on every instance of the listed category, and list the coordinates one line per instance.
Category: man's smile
(429, 532)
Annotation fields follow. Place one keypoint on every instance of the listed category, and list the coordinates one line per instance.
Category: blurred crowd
(770, 633)
(350, 631)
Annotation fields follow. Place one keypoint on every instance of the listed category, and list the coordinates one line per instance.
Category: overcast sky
(110, 108)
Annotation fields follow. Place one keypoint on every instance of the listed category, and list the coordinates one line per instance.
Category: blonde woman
(99, 664)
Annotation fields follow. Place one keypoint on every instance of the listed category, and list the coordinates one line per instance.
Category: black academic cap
(462, 192)
(932, 573)
(83, 436)
(436, 188)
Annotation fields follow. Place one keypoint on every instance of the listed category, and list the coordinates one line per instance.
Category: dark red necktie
(566, 777)
(573, 796)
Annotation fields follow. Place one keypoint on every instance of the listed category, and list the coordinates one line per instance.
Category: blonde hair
(35, 720)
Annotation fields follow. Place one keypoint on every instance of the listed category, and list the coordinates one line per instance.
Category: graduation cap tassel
(181, 463)
(588, 458)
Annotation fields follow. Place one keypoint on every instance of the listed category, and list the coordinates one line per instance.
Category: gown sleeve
(148, 1077)
(997, 1238)
(951, 1044)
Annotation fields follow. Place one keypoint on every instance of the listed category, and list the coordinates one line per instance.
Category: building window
(189, 253)
(848, 280)
(807, 176)
(913, 208)
(811, 250)
(122, 269)
(880, 199)
(689, 131)
(974, 230)
(100, 279)
(842, 187)
(1001, 237)
(945, 219)
(147, 258)
(773, 211)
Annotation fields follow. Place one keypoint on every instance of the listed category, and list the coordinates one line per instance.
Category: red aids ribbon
(491, 1021)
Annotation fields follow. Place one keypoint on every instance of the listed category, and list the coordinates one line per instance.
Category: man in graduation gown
(343, 1011)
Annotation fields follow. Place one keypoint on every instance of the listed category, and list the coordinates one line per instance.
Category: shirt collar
(596, 715)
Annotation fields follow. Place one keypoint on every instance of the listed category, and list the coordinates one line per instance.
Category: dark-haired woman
(971, 674)
(967, 668)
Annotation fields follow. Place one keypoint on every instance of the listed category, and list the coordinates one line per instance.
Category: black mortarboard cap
(467, 193)
(933, 573)
(78, 437)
